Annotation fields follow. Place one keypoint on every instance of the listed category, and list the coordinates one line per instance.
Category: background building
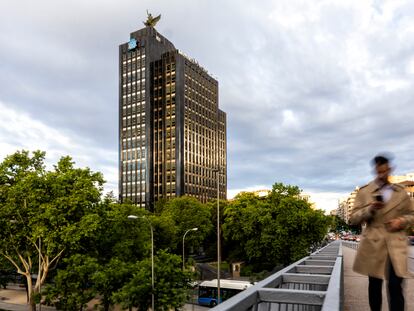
(345, 206)
(172, 134)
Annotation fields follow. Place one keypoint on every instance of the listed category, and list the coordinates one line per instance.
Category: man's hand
(376, 205)
(395, 224)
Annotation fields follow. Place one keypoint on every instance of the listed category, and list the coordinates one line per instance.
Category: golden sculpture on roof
(151, 21)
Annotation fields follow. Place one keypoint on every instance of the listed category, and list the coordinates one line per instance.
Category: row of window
(133, 109)
(132, 144)
(140, 94)
(139, 55)
(134, 88)
(199, 75)
(134, 154)
(132, 166)
(168, 165)
(133, 65)
(134, 177)
(131, 79)
(134, 120)
(200, 97)
(137, 131)
(169, 187)
(133, 54)
(133, 196)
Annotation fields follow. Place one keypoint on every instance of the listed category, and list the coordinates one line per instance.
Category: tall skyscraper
(172, 135)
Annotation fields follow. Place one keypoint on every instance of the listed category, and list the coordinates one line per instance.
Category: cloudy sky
(312, 89)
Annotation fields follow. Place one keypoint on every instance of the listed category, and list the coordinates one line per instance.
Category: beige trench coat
(377, 244)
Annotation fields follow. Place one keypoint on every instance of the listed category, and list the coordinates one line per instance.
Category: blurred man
(386, 210)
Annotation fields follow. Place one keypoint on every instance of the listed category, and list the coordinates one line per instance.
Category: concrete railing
(351, 244)
(314, 283)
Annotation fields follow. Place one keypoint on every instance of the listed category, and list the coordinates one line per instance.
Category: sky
(313, 90)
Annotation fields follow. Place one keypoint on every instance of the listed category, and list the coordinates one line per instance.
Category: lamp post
(218, 234)
(193, 229)
(152, 257)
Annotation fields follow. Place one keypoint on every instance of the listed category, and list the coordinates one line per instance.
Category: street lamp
(193, 229)
(152, 257)
(217, 170)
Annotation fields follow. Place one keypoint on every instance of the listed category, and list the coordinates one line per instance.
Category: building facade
(345, 206)
(172, 134)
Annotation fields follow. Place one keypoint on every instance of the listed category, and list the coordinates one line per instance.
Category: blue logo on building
(132, 44)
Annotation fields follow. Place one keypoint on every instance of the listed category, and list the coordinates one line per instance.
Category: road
(411, 259)
(190, 307)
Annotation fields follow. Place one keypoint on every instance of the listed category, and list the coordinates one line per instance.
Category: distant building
(172, 134)
(400, 178)
(345, 206)
(262, 193)
(307, 197)
(409, 187)
(407, 181)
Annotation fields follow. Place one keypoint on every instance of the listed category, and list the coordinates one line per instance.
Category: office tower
(172, 135)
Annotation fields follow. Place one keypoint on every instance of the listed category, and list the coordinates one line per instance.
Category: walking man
(386, 210)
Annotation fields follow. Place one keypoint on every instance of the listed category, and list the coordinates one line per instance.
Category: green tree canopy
(187, 213)
(273, 230)
(44, 213)
(171, 284)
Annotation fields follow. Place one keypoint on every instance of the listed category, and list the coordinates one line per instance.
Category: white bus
(207, 291)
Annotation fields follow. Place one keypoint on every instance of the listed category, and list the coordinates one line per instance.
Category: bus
(207, 291)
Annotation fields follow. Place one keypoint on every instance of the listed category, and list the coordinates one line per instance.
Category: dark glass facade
(172, 134)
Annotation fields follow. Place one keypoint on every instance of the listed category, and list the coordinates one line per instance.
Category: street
(411, 258)
(191, 307)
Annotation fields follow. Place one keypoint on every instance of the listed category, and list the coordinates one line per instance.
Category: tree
(187, 213)
(117, 244)
(44, 213)
(72, 288)
(109, 278)
(277, 229)
(171, 284)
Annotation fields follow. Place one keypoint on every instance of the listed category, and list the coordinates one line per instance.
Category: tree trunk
(30, 292)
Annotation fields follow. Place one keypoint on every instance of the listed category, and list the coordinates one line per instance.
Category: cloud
(21, 131)
(312, 90)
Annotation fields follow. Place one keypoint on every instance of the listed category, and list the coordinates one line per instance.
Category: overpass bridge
(323, 281)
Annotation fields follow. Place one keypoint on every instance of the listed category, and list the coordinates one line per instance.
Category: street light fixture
(133, 217)
(193, 229)
(217, 170)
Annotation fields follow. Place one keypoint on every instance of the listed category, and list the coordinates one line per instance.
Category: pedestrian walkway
(356, 287)
(14, 299)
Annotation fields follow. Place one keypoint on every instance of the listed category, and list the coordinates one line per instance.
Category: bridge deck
(356, 287)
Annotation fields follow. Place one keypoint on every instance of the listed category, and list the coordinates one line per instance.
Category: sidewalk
(356, 287)
(14, 299)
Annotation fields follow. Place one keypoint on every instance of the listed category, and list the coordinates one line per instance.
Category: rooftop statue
(151, 21)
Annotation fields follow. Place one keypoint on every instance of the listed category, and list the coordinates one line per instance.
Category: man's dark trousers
(395, 292)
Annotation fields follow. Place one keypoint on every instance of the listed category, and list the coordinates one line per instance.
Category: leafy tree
(187, 213)
(117, 244)
(44, 213)
(72, 288)
(171, 284)
(109, 278)
(277, 229)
